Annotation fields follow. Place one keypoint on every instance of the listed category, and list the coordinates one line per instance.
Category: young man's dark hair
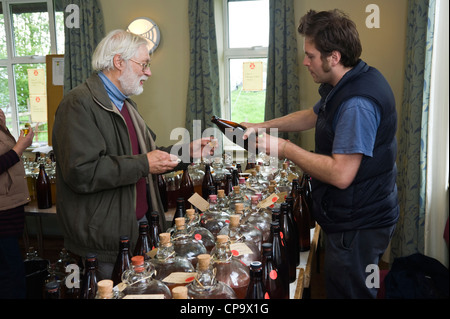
(332, 31)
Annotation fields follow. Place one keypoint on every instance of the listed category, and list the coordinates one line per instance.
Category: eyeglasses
(145, 66)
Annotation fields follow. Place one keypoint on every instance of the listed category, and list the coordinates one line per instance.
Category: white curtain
(437, 189)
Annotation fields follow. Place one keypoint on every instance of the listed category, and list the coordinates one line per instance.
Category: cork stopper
(179, 222)
(164, 238)
(234, 220)
(222, 239)
(203, 261)
(105, 287)
(180, 292)
(221, 193)
(283, 174)
(271, 188)
(137, 260)
(239, 207)
(190, 213)
(285, 165)
(258, 168)
(253, 173)
(272, 182)
(237, 189)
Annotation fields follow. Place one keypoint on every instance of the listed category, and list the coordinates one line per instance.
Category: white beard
(131, 83)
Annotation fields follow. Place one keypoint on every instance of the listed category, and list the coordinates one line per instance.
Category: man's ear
(118, 62)
(335, 58)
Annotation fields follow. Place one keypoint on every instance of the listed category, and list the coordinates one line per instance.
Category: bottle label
(199, 202)
(268, 201)
(180, 277)
(238, 249)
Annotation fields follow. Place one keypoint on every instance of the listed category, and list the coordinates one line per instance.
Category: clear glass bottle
(105, 290)
(222, 201)
(167, 262)
(259, 218)
(229, 269)
(206, 285)
(214, 219)
(198, 232)
(256, 288)
(140, 283)
(184, 244)
(244, 249)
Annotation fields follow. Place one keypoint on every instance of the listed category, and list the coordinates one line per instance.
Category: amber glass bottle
(43, 191)
(280, 254)
(143, 245)
(294, 228)
(207, 181)
(256, 288)
(290, 240)
(232, 130)
(307, 188)
(162, 185)
(274, 288)
(89, 283)
(186, 188)
(123, 260)
(301, 214)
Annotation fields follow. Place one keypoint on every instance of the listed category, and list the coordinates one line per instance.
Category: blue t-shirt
(355, 126)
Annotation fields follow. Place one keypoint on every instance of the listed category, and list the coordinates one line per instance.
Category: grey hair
(119, 42)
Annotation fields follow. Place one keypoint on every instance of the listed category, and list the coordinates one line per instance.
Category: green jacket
(97, 173)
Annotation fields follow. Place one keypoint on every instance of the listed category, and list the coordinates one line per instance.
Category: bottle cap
(254, 197)
(213, 197)
(180, 292)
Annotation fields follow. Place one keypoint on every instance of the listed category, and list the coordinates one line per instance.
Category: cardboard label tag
(180, 277)
(199, 202)
(268, 201)
(238, 249)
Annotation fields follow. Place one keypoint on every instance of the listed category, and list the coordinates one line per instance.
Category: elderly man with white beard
(106, 157)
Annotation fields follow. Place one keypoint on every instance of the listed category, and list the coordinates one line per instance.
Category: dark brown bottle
(123, 260)
(143, 244)
(228, 189)
(294, 229)
(307, 187)
(155, 229)
(207, 181)
(256, 288)
(290, 240)
(279, 253)
(301, 214)
(232, 130)
(162, 186)
(180, 210)
(274, 288)
(293, 192)
(186, 188)
(43, 191)
(89, 282)
(52, 290)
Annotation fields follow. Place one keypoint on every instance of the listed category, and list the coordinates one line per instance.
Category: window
(28, 32)
(246, 41)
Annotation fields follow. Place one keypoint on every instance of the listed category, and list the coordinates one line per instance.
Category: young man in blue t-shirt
(353, 167)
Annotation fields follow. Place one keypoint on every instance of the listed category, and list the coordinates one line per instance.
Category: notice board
(55, 88)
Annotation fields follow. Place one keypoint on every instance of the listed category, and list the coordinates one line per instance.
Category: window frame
(256, 52)
(12, 60)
